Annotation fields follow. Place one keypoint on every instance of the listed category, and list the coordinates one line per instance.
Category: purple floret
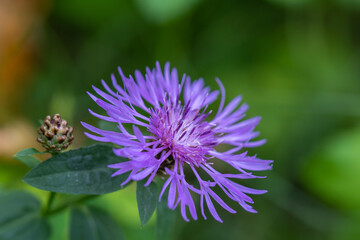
(178, 133)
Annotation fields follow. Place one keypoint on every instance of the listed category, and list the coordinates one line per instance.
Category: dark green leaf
(93, 224)
(26, 157)
(81, 171)
(20, 217)
(165, 221)
(146, 200)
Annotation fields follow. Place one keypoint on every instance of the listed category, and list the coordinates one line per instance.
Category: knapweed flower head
(54, 134)
(174, 135)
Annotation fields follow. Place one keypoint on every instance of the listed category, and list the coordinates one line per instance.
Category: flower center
(184, 132)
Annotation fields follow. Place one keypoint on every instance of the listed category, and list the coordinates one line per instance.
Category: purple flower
(173, 132)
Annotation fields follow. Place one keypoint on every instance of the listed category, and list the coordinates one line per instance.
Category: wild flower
(166, 130)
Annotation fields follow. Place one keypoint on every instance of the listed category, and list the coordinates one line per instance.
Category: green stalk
(68, 204)
(49, 203)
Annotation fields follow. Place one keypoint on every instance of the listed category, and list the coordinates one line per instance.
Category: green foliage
(293, 3)
(165, 221)
(146, 198)
(93, 224)
(26, 157)
(89, 13)
(332, 172)
(20, 217)
(81, 171)
(162, 10)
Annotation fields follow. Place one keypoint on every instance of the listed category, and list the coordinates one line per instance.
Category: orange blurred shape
(19, 20)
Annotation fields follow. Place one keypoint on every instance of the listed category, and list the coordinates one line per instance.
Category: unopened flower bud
(54, 134)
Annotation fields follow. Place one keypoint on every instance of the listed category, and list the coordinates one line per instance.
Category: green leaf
(165, 221)
(333, 167)
(26, 157)
(93, 224)
(20, 217)
(81, 171)
(146, 198)
(28, 151)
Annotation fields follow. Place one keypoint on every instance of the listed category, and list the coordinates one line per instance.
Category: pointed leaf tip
(146, 198)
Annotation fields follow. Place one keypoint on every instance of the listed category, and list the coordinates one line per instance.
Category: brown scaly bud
(54, 134)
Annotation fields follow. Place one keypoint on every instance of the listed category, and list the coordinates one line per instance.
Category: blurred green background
(295, 62)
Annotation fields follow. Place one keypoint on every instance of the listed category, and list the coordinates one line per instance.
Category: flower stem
(51, 195)
(68, 204)
(49, 202)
